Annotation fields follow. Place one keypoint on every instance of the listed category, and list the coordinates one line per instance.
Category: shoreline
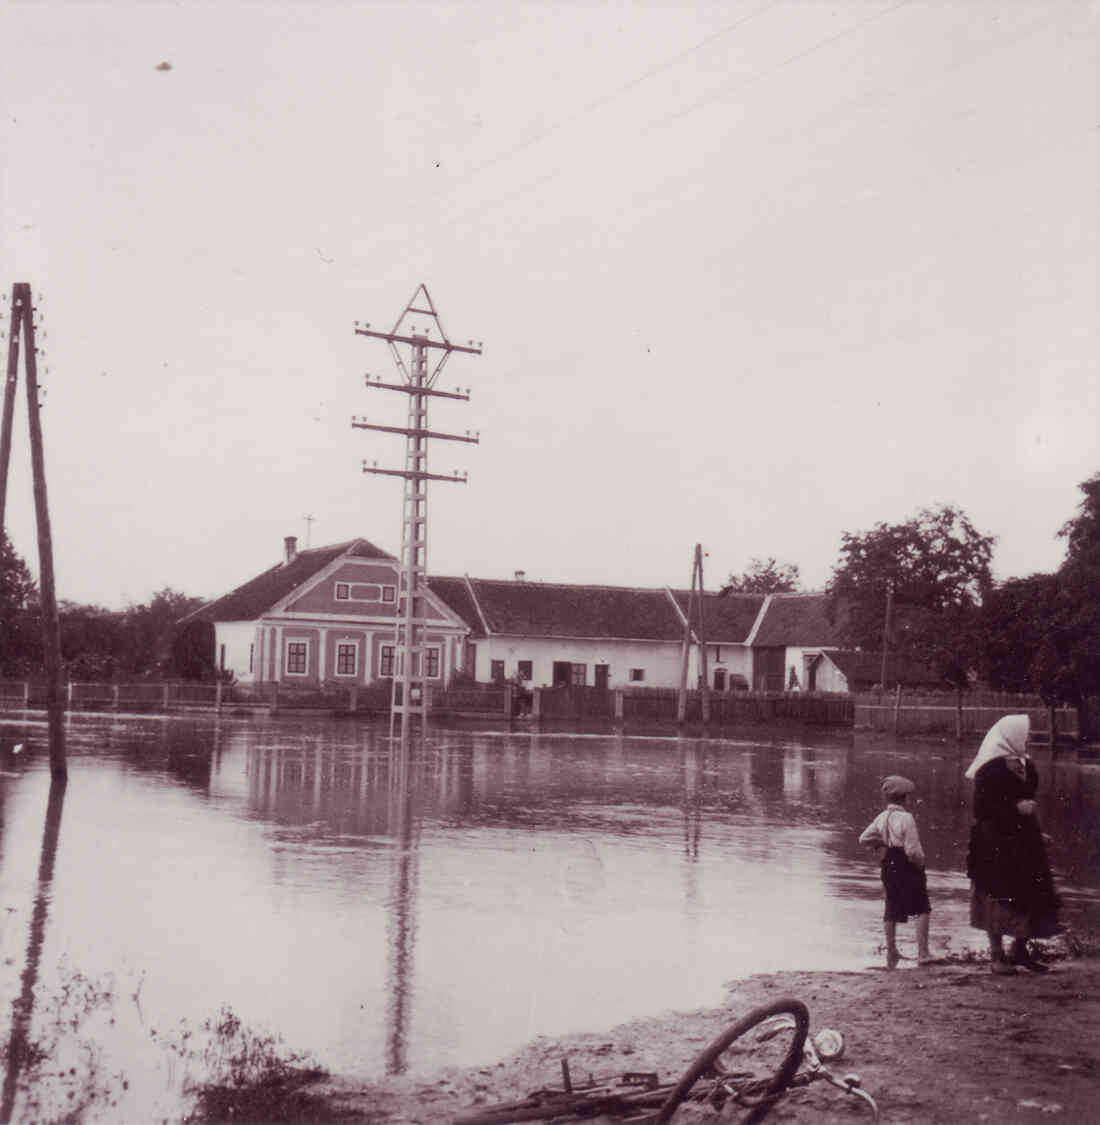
(944, 1043)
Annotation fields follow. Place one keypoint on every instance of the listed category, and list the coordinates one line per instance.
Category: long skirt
(906, 886)
(1000, 916)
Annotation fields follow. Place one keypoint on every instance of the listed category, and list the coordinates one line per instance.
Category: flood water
(390, 915)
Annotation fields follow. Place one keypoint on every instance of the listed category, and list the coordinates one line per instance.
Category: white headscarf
(1006, 738)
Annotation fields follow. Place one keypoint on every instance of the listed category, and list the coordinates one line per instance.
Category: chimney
(291, 545)
(521, 575)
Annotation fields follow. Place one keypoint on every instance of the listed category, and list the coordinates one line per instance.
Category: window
(496, 671)
(389, 593)
(524, 670)
(297, 657)
(637, 675)
(359, 592)
(385, 661)
(432, 659)
(347, 658)
(579, 673)
(389, 664)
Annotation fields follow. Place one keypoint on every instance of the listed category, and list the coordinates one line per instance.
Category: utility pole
(419, 383)
(22, 326)
(887, 622)
(695, 611)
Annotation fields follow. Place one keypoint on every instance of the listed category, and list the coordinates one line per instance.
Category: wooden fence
(965, 716)
(932, 715)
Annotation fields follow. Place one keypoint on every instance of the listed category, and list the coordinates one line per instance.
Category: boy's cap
(896, 786)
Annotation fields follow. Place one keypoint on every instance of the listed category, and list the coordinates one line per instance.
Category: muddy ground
(949, 1043)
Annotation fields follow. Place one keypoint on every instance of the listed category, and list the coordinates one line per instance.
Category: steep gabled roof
(256, 597)
(866, 668)
(455, 593)
(727, 618)
(797, 619)
(542, 609)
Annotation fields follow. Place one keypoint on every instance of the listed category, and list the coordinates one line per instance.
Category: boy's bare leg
(923, 923)
(892, 954)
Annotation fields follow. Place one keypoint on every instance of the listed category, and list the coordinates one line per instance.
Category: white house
(327, 616)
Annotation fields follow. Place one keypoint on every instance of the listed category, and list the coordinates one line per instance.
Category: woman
(1012, 891)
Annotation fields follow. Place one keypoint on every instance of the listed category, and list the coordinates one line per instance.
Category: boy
(903, 875)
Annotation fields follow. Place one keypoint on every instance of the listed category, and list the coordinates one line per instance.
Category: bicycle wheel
(708, 1063)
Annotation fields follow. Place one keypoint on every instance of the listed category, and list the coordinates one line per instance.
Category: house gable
(256, 597)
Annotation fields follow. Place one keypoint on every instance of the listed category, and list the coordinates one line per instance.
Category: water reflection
(402, 899)
(396, 908)
(18, 1050)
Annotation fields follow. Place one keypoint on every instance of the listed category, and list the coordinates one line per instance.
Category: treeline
(923, 589)
(136, 643)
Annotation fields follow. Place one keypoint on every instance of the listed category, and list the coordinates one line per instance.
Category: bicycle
(638, 1097)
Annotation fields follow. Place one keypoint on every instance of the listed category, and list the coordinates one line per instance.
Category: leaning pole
(22, 323)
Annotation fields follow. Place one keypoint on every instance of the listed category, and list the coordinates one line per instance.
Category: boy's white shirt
(895, 827)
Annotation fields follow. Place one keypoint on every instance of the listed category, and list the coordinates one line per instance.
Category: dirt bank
(951, 1043)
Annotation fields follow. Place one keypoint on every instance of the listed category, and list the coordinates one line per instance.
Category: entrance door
(602, 673)
(563, 673)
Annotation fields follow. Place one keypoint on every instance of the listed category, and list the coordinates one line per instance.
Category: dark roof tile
(797, 619)
(553, 610)
(727, 618)
(862, 668)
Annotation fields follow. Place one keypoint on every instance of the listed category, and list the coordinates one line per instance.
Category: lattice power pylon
(410, 672)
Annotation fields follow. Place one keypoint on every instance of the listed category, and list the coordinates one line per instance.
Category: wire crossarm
(412, 657)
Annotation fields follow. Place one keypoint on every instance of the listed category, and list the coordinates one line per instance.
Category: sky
(747, 274)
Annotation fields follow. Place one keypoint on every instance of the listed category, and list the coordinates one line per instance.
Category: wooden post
(619, 693)
(218, 697)
(15, 326)
(114, 697)
(886, 633)
(897, 707)
(51, 631)
(536, 703)
(508, 690)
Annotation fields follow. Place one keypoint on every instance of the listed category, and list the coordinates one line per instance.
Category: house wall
(659, 660)
(256, 651)
(235, 639)
(829, 677)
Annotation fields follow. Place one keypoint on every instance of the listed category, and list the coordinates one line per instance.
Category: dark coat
(1007, 859)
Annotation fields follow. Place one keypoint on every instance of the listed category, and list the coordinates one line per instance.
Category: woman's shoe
(1021, 956)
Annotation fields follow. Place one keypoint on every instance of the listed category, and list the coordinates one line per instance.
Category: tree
(1075, 637)
(149, 630)
(1018, 652)
(20, 631)
(764, 576)
(931, 573)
